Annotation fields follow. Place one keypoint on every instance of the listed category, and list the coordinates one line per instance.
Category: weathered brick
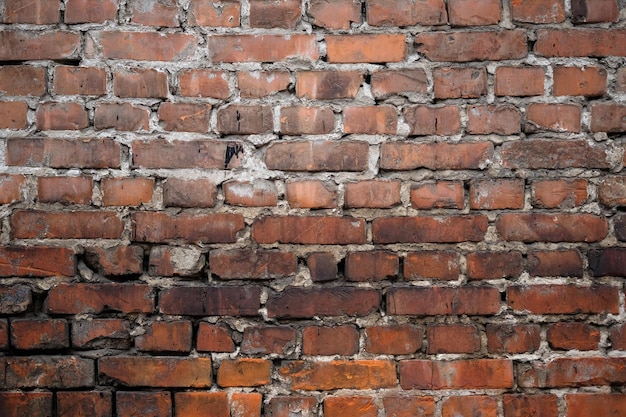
(13, 115)
(154, 13)
(153, 404)
(496, 194)
(61, 116)
(497, 119)
(300, 120)
(36, 224)
(371, 120)
(15, 299)
(553, 117)
(215, 13)
(335, 14)
(322, 266)
(22, 80)
(325, 341)
(246, 404)
(101, 334)
(455, 406)
(459, 46)
(426, 120)
(214, 338)
(4, 335)
(197, 403)
(284, 406)
(433, 301)
(161, 336)
(567, 336)
(404, 156)
(555, 263)
(49, 372)
(36, 261)
(175, 261)
(387, 82)
(393, 340)
(179, 192)
(519, 81)
(32, 404)
(262, 48)
(90, 11)
(328, 85)
(11, 188)
(608, 117)
(84, 403)
(208, 228)
(432, 265)
(140, 82)
(205, 154)
(580, 42)
(440, 194)
(313, 194)
(513, 338)
(275, 14)
(321, 230)
(607, 261)
(252, 263)
(554, 154)
(121, 116)
(612, 191)
(38, 12)
(343, 406)
(522, 405)
(146, 46)
(157, 372)
(585, 11)
(26, 45)
(461, 374)
(127, 191)
(543, 227)
(184, 117)
(452, 338)
(579, 81)
(244, 372)
(97, 298)
(474, 12)
(409, 405)
(620, 227)
(365, 48)
(371, 266)
(423, 229)
(66, 190)
(494, 265)
(405, 13)
(268, 339)
(573, 372)
(584, 404)
(372, 194)
(34, 334)
(336, 301)
(563, 299)
(562, 193)
(617, 336)
(262, 83)
(257, 193)
(63, 153)
(211, 301)
(459, 82)
(245, 120)
(340, 374)
(203, 83)
(538, 11)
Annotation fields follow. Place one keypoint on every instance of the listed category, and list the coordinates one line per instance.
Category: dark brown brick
(423, 229)
(211, 301)
(268, 339)
(49, 372)
(98, 298)
(252, 264)
(209, 228)
(337, 301)
(371, 266)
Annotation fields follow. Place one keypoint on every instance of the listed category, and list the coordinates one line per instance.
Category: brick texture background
(338, 208)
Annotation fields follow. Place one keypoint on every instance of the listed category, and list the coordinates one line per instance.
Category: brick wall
(338, 208)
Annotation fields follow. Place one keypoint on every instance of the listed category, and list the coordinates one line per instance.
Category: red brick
(32, 404)
(478, 405)
(203, 83)
(325, 341)
(567, 336)
(207, 228)
(608, 117)
(371, 120)
(257, 193)
(146, 46)
(61, 116)
(543, 227)
(459, 46)
(612, 191)
(121, 116)
(553, 117)
(496, 194)
(178, 192)
(215, 13)
(405, 12)
(262, 83)
(126, 191)
(184, 117)
(409, 406)
(84, 404)
(328, 85)
(211, 301)
(519, 81)
(61, 372)
(555, 263)
(275, 14)
(239, 119)
(67, 190)
(11, 188)
(554, 154)
(426, 229)
(246, 404)
(461, 374)
(262, 48)
(399, 81)
(586, 11)
(163, 336)
(441, 194)
(335, 14)
(494, 265)
(620, 79)
(252, 263)
(460, 82)
(311, 194)
(22, 80)
(424, 120)
(25, 45)
(320, 230)
(563, 299)
(452, 338)
(204, 154)
(90, 11)
(432, 265)
(157, 372)
(340, 374)
(34, 334)
(37, 12)
(371, 266)
(175, 261)
(342, 406)
(403, 156)
(13, 115)
(214, 338)
(284, 406)
(513, 338)
(268, 339)
(134, 404)
(98, 298)
(372, 194)
(4, 334)
(538, 11)
(474, 12)
(101, 334)
(579, 81)
(197, 403)
(246, 372)
(15, 299)
(393, 340)
(497, 119)
(573, 372)
(300, 120)
(562, 193)
(36, 261)
(579, 405)
(519, 405)
(154, 13)
(608, 261)
(34, 224)
(323, 302)
(620, 227)
(365, 48)
(617, 336)
(580, 42)
(322, 266)
(433, 301)
(63, 153)
(138, 82)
